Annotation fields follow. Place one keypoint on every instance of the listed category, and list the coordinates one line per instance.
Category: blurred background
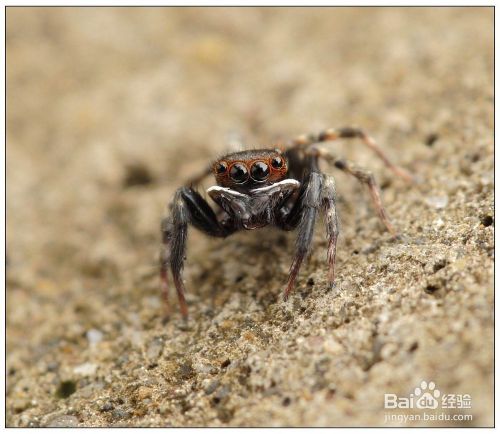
(109, 110)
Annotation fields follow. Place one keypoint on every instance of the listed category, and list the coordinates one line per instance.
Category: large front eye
(238, 173)
(259, 171)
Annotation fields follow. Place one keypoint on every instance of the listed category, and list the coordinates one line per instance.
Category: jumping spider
(261, 187)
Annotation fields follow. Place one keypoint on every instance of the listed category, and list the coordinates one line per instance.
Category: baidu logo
(424, 396)
(427, 395)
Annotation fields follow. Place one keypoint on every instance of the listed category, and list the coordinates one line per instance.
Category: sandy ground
(109, 111)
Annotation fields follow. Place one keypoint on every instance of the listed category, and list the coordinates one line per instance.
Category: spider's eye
(277, 162)
(221, 167)
(259, 171)
(238, 173)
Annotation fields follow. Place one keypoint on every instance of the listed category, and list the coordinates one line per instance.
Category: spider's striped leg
(363, 176)
(318, 193)
(350, 133)
(301, 212)
(309, 203)
(328, 202)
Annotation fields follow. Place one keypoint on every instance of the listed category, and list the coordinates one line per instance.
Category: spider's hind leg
(363, 176)
(333, 134)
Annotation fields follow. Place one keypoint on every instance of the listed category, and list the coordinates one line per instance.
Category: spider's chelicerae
(261, 187)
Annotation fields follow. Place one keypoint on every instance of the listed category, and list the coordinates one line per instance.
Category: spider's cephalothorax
(245, 170)
(263, 187)
(251, 188)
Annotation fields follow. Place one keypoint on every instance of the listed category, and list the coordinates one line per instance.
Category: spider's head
(247, 170)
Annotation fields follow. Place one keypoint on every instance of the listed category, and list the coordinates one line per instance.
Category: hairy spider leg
(363, 176)
(188, 208)
(318, 193)
(301, 213)
(166, 231)
(332, 134)
(328, 202)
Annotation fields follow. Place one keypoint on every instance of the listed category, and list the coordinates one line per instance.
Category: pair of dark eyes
(259, 171)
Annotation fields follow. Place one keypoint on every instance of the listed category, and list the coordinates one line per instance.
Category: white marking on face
(230, 192)
(285, 184)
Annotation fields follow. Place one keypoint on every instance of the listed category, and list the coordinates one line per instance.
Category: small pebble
(164, 408)
(107, 406)
(52, 366)
(94, 336)
(20, 404)
(438, 202)
(210, 386)
(85, 369)
(64, 421)
(487, 220)
(438, 223)
(66, 388)
(154, 349)
(333, 347)
(28, 421)
(222, 393)
(144, 392)
(186, 371)
(431, 139)
(203, 368)
(120, 414)
(152, 302)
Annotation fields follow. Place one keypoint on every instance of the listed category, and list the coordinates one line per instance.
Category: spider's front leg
(188, 207)
(318, 192)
